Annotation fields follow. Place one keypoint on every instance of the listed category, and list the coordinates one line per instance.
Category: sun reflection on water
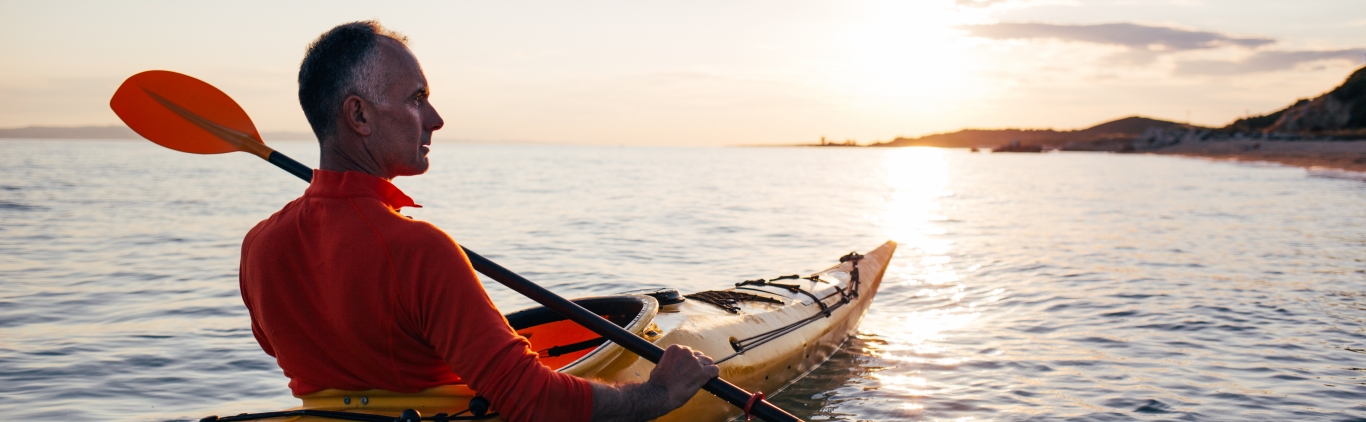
(917, 180)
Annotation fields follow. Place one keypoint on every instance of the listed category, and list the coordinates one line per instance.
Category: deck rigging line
(746, 344)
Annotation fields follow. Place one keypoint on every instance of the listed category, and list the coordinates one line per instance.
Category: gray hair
(343, 61)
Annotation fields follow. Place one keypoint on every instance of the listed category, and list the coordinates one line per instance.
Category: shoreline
(1337, 155)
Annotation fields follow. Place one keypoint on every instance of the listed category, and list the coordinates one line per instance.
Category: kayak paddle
(186, 114)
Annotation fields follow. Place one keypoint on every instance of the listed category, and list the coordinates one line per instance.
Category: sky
(713, 72)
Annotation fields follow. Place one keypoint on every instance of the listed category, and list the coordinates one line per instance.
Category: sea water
(1026, 286)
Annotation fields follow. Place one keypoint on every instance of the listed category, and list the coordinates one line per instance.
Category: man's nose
(433, 118)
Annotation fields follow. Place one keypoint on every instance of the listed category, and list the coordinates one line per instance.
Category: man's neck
(341, 160)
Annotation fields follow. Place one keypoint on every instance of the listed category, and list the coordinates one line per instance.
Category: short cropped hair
(339, 63)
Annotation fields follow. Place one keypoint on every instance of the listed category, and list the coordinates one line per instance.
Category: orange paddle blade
(183, 113)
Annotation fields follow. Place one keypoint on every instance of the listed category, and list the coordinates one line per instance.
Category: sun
(906, 52)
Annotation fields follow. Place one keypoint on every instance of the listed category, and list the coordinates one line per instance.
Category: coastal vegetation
(1340, 112)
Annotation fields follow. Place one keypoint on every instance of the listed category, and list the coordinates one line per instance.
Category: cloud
(1141, 37)
(1146, 43)
(1267, 61)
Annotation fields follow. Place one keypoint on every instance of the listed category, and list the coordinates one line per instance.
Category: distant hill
(1122, 130)
(116, 132)
(1341, 110)
(1339, 114)
(78, 132)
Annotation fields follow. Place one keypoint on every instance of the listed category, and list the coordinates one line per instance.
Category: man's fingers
(707, 365)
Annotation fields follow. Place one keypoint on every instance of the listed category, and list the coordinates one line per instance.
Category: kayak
(764, 334)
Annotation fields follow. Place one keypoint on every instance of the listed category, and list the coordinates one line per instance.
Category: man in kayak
(346, 293)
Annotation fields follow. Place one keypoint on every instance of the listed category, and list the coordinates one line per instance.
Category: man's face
(403, 119)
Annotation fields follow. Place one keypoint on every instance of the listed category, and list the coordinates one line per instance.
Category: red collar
(353, 184)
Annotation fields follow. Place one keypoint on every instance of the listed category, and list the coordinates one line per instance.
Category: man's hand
(680, 373)
(675, 380)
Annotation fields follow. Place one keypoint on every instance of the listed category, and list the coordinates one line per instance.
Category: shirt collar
(352, 184)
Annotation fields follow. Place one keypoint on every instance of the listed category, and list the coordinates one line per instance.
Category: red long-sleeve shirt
(347, 293)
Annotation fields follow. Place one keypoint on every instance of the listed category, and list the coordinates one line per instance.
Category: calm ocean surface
(1031, 286)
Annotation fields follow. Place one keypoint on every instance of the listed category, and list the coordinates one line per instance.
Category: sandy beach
(1341, 155)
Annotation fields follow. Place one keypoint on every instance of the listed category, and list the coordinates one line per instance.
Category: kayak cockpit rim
(630, 312)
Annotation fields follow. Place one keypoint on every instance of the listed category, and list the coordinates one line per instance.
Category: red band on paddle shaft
(758, 396)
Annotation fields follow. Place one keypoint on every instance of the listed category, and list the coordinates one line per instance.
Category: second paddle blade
(137, 103)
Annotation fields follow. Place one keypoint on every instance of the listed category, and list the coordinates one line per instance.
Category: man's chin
(420, 168)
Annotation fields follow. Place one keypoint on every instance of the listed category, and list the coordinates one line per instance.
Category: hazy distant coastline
(70, 132)
(115, 132)
(1108, 136)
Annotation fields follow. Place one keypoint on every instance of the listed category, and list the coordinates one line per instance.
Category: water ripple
(1027, 287)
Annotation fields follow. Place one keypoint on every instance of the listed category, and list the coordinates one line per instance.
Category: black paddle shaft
(721, 388)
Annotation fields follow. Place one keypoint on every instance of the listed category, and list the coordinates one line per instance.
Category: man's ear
(356, 114)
